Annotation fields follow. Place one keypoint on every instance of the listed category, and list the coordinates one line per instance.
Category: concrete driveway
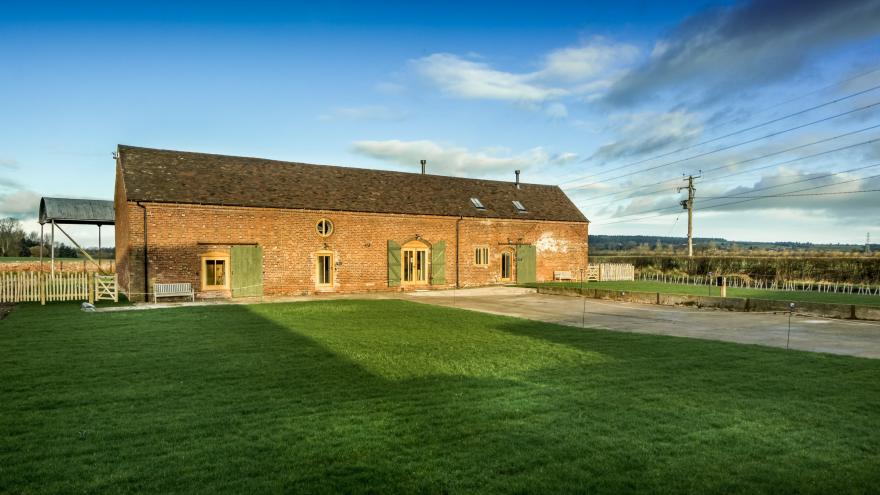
(853, 338)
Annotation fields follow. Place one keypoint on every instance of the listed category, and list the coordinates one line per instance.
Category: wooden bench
(562, 276)
(173, 290)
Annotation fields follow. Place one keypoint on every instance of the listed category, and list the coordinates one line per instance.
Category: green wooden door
(438, 263)
(393, 264)
(525, 264)
(247, 271)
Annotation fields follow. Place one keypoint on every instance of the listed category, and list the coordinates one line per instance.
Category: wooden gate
(247, 271)
(106, 288)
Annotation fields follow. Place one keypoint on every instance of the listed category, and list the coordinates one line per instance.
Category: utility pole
(688, 204)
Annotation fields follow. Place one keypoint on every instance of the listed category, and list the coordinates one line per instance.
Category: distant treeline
(15, 242)
(640, 244)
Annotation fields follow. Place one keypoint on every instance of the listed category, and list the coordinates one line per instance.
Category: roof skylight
(477, 204)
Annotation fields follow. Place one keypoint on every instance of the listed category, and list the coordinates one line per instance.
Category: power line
(731, 146)
(787, 195)
(652, 210)
(755, 198)
(734, 133)
(802, 96)
(799, 181)
(767, 155)
(796, 191)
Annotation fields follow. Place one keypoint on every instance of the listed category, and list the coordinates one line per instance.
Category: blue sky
(570, 93)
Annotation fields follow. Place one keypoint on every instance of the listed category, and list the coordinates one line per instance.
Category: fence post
(42, 283)
(90, 287)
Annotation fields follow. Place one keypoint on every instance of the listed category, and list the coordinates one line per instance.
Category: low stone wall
(827, 310)
(66, 266)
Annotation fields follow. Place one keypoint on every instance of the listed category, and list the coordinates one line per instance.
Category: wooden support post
(52, 240)
(42, 281)
(41, 247)
(90, 284)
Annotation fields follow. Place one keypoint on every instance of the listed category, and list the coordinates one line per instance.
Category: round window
(324, 227)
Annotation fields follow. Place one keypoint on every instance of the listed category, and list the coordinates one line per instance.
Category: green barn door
(525, 264)
(438, 263)
(247, 271)
(393, 264)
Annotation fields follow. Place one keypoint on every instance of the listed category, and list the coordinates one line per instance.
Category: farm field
(703, 290)
(392, 396)
(34, 259)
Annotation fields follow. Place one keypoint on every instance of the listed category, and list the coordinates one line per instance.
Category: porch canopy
(76, 211)
(58, 211)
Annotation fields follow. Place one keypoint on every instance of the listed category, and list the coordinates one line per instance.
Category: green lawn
(703, 290)
(393, 396)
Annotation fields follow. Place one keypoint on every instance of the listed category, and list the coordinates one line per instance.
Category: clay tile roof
(183, 177)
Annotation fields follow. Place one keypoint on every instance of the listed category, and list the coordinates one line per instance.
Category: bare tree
(11, 235)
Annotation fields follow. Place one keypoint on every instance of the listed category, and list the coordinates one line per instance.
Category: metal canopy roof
(77, 211)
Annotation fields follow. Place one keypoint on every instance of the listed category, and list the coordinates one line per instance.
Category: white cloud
(565, 158)
(556, 111)
(19, 204)
(467, 79)
(456, 160)
(589, 61)
(648, 132)
(8, 163)
(390, 88)
(365, 112)
(571, 71)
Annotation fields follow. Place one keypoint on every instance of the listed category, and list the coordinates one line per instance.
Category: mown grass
(392, 396)
(703, 290)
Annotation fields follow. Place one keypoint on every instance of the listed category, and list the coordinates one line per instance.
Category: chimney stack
(517, 179)
(424, 162)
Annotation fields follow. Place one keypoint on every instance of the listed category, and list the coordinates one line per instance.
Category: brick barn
(234, 226)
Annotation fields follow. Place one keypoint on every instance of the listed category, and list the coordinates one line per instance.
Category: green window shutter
(247, 271)
(525, 264)
(393, 264)
(438, 263)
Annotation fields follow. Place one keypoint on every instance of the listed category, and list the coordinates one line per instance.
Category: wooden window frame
(203, 270)
(326, 221)
(318, 270)
(510, 266)
(481, 256)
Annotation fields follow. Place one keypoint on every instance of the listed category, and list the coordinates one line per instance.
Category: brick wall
(179, 234)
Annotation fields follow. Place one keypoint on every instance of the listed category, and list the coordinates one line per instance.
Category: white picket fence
(20, 287)
(16, 287)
